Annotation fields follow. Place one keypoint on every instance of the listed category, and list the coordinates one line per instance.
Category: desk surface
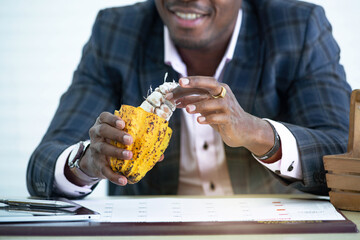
(353, 216)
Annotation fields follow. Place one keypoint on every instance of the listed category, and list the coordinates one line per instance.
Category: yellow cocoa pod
(151, 136)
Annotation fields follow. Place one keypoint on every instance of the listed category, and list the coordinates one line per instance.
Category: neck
(203, 62)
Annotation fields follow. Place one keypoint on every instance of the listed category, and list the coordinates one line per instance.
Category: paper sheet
(211, 209)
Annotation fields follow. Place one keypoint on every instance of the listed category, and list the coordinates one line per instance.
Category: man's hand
(236, 127)
(96, 161)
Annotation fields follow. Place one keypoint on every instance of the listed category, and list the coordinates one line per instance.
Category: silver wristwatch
(74, 162)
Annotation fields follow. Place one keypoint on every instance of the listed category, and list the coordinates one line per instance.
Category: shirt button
(212, 186)
(205, 146)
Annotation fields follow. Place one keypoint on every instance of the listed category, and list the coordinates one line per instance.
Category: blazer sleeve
(319, 100)
(90, 93)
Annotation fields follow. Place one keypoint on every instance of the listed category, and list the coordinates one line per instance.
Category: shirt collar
(172, 57)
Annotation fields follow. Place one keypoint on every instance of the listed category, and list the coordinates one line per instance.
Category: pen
(36, 203)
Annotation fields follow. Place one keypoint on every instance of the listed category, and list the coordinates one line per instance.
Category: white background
(40, 47)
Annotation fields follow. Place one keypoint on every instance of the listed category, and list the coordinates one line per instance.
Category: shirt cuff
(289, 165)
(61, 183)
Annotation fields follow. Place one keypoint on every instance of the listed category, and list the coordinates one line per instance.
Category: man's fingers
(181, 92)
(213, 118)
(108, 132)
(209, 84)
(161, 158)
(115, 178)
(184, 101)
(109, 150)
(110, 119)
(209, 106)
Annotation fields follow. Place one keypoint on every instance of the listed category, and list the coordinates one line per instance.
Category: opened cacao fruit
(150, 132)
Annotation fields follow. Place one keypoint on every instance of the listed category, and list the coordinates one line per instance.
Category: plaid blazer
(285, 67)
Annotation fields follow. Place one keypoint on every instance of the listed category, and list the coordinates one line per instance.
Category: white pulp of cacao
(156, 102)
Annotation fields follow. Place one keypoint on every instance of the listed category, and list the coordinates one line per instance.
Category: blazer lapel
(243, 74)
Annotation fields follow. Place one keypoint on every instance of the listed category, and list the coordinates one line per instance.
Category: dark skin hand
(96, 161)
(236, 127)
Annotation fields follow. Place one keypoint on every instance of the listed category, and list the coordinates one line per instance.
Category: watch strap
(85, 179)
(275, 148)
(76, 170)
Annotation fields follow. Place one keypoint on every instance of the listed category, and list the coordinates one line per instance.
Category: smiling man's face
(199, 23)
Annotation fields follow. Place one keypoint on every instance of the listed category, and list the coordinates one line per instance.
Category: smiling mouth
(188, 16)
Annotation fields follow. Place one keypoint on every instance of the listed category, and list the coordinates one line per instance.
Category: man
(261, 76)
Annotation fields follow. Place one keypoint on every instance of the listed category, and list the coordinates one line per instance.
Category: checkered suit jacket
(285, 67)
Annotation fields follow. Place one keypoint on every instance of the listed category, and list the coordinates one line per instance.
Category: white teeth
(188, 16)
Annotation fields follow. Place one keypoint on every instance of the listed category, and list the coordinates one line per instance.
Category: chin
(190, 43)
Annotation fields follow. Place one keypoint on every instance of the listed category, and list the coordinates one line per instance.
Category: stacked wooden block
(343, 175)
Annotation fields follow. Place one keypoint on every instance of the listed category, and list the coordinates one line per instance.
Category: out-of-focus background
(40, 47)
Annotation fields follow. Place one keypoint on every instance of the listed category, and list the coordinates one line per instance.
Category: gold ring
(221, 94)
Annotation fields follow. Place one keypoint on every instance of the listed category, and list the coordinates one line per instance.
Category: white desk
(353, 216)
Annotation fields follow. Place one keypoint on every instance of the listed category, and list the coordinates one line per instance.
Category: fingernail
(184, 81)
(127, 154)
(127, 139)
(169, 96)
(191, 108)
(122, 181)
(201, 119)
(120, 124)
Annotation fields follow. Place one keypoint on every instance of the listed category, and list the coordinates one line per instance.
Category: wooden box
(343, 175)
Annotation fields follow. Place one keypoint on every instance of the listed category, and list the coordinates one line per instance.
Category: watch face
(75, 154)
